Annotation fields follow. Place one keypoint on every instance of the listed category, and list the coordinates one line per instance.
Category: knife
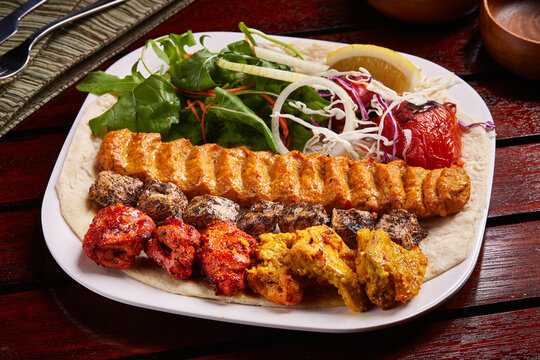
(10, 24)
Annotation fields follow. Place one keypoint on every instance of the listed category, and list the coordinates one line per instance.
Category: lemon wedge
(385, 65)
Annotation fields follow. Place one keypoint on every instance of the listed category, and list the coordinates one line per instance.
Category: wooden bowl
(425, 11)
(511, 33)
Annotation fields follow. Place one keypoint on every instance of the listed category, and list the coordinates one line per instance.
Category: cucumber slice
(305, 66)
(261, 71)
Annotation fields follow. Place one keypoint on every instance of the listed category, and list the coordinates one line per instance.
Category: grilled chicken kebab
(246, 176)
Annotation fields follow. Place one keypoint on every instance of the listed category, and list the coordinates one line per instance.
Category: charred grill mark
(347, 222)
(285, 178)
(298, 216)
(336, 190)
(261, 218)
(111, 188)
(174, 156)
(161, 200)
(228, 169)
(204, 209)
(402, 227)
(256, 177)
(312, 177)
(414, 195)
(363, 189)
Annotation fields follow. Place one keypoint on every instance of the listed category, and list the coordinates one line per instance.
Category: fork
(10, 24)
(17, 58)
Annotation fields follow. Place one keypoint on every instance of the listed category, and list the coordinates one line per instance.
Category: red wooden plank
(510, 335)
(513, 102)
(516, 183)
(24, 257)
(456, 46)
(281, 16)
(26, 165)
(507, 268)
(75, 323)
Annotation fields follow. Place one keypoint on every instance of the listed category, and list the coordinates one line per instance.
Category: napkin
(70, 52)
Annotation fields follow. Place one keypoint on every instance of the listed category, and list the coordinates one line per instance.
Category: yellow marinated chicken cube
(317, 253)
(271, 275)
(389, 272)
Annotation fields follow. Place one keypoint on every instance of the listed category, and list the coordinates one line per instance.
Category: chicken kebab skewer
(202, 232)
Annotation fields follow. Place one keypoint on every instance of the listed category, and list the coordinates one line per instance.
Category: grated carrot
(268, 98)
(191, 106)
(204, 108)
(282, 122)
(250, 44)
(202, 120)
(212, 93)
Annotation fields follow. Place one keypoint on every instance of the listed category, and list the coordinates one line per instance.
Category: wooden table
(46, 314)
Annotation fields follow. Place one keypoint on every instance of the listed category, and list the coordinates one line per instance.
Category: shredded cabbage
(319, 82)
(361, 137)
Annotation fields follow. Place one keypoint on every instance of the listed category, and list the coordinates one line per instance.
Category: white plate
(67, 250)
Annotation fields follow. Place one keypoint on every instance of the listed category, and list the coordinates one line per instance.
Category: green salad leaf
(156, 105)
(100, 83)
(195, 72)
(188, 128)
(151, 106)
(229, 107)
(121, 115)
(192, 97)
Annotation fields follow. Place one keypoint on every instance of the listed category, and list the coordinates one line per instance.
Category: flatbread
(448, 242)
(450, 238)
(80, 171)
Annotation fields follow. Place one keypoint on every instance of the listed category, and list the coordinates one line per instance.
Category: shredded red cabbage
(394, 123)
(323, 93)
(314, 121)
(488, 125)
(354, 91)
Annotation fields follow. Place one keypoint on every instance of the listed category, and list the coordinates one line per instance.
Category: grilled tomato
(425, 135)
